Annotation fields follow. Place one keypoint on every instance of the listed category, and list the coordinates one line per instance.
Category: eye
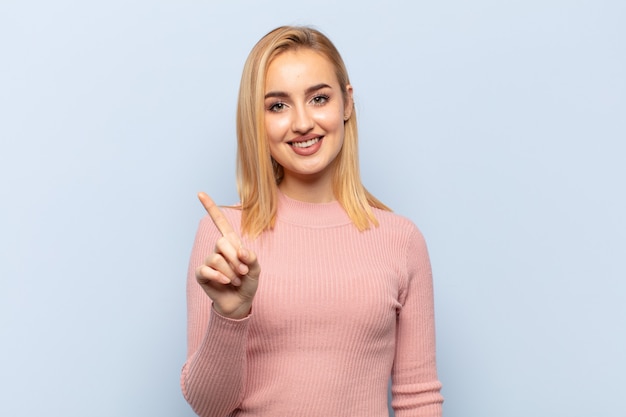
(277, 107)
(320, 99)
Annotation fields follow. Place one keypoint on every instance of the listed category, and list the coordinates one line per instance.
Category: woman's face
(304, 114)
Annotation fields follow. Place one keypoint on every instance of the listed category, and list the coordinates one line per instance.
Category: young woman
(313, 293)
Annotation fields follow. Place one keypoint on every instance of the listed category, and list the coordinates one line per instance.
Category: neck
(319, 190)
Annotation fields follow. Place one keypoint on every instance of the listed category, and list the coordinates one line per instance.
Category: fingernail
(236, 281)
(243, 269)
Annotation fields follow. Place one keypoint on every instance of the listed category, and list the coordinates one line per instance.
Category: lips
(306, 145)
(305, 141)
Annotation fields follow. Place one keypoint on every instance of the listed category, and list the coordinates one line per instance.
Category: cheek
(276, 127)
(330, 119)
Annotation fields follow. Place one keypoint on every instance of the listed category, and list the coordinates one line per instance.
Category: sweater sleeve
(415, 385)
(213, 375)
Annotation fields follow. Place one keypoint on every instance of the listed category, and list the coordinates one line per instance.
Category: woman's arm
(213, 376)
(415, 385)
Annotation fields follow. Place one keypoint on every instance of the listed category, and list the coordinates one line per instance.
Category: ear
(349, 104)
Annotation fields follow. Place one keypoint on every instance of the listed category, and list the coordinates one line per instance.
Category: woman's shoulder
(393, 220)
(399, 226)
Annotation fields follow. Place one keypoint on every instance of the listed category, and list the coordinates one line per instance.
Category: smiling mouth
(306, 143)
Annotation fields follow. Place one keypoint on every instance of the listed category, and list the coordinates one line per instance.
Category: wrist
(238, 314)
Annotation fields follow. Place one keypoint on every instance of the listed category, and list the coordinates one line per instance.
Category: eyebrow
(280, 94)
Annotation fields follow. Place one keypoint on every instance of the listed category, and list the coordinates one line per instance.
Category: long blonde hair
(258, 174)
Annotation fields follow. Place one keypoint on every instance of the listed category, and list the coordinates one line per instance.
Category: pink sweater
(336, 313)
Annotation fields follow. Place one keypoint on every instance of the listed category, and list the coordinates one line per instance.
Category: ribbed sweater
(337, 312)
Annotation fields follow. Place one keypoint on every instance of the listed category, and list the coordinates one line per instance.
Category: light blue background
(499, 127)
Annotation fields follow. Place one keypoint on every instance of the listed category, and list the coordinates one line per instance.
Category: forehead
(299, 67)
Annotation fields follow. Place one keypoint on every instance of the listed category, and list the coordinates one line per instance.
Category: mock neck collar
(311, 214)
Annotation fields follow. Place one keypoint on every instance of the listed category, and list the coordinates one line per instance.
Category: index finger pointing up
(216, 214)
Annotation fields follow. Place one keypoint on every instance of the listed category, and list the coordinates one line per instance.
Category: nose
(302, 121)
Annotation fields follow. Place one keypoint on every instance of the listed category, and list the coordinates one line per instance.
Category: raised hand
(229, 275)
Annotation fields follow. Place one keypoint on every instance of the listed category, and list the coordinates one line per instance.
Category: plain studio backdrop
(498, 127)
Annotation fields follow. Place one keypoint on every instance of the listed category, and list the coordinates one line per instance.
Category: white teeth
(306, 143)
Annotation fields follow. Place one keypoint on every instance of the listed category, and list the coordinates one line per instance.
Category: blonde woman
(304, 299)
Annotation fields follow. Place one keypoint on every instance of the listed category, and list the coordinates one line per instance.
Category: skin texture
(230, 274)
(303, 103)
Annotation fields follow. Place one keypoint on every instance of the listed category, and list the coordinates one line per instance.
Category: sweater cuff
(225, 338)
(214, 313)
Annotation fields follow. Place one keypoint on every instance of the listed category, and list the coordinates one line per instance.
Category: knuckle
(218, 266)
(222, 244)
(199, 271)
(203, 273)
(213, 260)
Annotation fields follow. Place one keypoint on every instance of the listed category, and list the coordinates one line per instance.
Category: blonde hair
(258, 175)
